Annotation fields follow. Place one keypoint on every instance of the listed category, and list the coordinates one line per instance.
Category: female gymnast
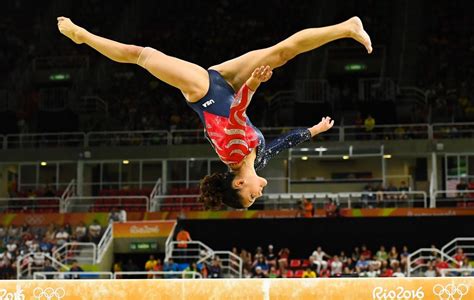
(212, 94)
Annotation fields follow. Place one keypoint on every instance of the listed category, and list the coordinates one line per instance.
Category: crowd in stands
(386, 196)
(268, 263)
(40, 242)
(136, 100)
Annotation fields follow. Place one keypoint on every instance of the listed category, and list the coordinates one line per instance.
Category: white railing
(168, 247)
(420, 259)
(456, 272)
(33, 204)
(43, 140)
(105, 242)
(195, 250)
(160, 274)
(25, 265)
(83, 253)
(156, 191)
(39, 275)
(447, 197)
(464, 243)
(100, 203)
(70, 191)
(127, 138)
(290, 200)
(201, 253)
(190, 136)
(230, 263)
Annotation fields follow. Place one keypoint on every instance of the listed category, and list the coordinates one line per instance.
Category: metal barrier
(44, 140)
(455, 272)
(464, 243)
(70, 191)
(160, 274)
(106, 203)
(25, 265)
(419, 260)
(83, 253)
(231, 264)
(33, 204)
(193, 136)
(105, 242)
(446, 198)
(72, 275)
(127, 138)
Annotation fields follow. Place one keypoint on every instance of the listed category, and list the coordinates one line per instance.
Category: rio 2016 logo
(401, 293)
(18, 295)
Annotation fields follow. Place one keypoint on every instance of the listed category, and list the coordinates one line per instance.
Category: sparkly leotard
(230, 132)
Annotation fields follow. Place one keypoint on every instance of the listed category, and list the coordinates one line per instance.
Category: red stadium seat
(289, 274)
(305, 263)
(295, 263)
(298, 274)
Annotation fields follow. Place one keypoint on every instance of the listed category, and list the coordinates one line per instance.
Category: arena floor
(452, 288)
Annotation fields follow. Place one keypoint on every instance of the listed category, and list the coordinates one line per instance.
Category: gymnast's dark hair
(217, 189)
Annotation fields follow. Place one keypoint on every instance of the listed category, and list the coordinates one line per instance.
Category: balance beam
(455, 288)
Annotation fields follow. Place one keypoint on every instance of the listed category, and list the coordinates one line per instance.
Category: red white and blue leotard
(233, 136)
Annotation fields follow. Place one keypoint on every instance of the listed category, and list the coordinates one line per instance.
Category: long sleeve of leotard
(237, 114)
(285, 141)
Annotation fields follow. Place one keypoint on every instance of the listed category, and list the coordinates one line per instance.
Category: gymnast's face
(250, 188)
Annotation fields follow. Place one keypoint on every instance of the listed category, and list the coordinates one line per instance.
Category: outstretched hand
(259, 75)
(325, 124)
(262, 74)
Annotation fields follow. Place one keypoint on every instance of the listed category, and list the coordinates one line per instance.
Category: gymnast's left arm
(292, 139)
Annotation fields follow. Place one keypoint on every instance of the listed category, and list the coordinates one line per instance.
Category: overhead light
(125, 162)
(304, 158)
(345, 157)
(321, 149)
(387, 156)
(304, 149)
(43, 164)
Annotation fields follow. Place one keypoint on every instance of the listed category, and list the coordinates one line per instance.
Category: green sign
(59, 76)
(145, 246)
(355, 67)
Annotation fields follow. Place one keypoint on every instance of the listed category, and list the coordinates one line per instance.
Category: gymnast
(221, 95)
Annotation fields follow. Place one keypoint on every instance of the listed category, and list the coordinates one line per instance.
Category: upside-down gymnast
(212, 94)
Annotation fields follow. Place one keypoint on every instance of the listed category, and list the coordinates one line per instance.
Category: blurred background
(85, 141)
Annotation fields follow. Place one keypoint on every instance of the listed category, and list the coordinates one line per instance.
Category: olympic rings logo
(450, 291)
(48, 293)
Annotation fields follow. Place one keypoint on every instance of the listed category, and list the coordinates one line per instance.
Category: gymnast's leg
(237, 70)
(191, 79)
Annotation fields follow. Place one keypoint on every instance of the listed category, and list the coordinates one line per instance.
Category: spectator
(81, 232)
(170, 266)
(398, 273)
(386, 272)
(459, 257)
(308, 273)
(191, 268)
(273, 273)
(117, 267)
(158, 268)
(306, 208)
(355, 254)
(271, 257)
(336, 266)
(283, 256)
(331, 208)
(362, 264)
(205, 271)
(381, 254)
(48, 268)
(259, 273)
(392, 196)
(261, 264)
(440, 265)
(369, 125)
(404, 256)
(183, 237)
(403, 189)
(325, 273)
(114, 215)
(94, 231)
(319, 256)
(461, 187)
(75, 268)
(467, 267)
(393, 257)
(430, 272)
(150, 265)
(61, 237)
(215, 269)
(372, 272)
(5, 265)
(258, 254)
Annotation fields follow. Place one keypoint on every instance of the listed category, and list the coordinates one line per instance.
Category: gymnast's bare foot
(71, 30)
(357, 32)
